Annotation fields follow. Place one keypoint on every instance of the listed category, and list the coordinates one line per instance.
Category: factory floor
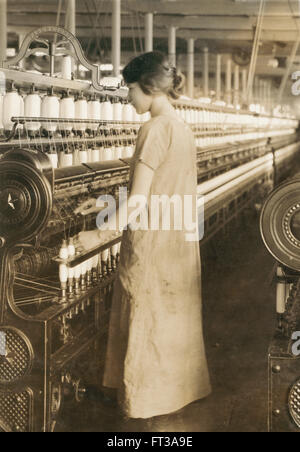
(239, 320)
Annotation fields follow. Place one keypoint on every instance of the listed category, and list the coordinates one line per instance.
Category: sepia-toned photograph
(149, 218)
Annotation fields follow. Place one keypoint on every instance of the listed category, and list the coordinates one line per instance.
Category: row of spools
(33, 105)
(68, 107)
(79, 155)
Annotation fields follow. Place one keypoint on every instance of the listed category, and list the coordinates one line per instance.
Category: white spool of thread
(95, 261)
(114, 152)
(66, 67)
(123, 152)
(84, 268)
(117, 109)
(95, 155)
(50, 109)
(76, 157)
(71, 273)
(67, 160)
(32, 109)
(132, 150)
(11, 108)
(128, 152)
(53, 157)
(114, 250)
(102, 154)
(81, 112)
(67, 111)
(83, 156)
(71, 248)
(63, 273)
(108, 154)
(63, 253)
(107, 110)
(118, 152)
(89, 153)
(61, 157)
(77, 271)
(94, 113)
(89, 265)
(104, 255)
(127, 112)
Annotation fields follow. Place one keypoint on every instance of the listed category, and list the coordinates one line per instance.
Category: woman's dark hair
(154, 74)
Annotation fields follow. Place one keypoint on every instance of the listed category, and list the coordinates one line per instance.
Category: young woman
(156, 356)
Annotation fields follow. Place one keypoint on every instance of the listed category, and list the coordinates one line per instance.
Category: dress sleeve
(153, 143)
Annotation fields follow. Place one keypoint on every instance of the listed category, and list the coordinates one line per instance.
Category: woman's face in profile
(141, 101)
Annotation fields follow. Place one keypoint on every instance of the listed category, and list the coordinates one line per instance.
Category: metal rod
(149, 32)
(266, 95)
(70, 23)
(52, 58)
(260, 92)
(59, 6)
(191, 68)
(21, 37)
(23, 119)
(30, 281)
(244, 86)
(255, 50)
(229, 81)
(205, 72)
(236, 85)
(116, 37)
(218, 77)
(172, 45)
(3, 30)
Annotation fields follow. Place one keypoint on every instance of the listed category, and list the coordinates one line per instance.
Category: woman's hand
(89, 240)
(87, 207)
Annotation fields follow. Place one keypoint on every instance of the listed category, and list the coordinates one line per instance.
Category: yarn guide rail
(80, 258)
(100, 130)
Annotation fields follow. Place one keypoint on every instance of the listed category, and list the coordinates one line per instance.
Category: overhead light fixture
(274, 63)
(11, 52)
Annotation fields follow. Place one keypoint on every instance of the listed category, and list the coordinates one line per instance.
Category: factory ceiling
(224, 26)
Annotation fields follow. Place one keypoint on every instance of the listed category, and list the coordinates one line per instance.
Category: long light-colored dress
(156, 356)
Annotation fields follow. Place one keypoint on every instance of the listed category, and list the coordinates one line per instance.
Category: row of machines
(54, 299)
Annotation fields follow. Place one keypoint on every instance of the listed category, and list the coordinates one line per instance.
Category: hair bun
(178, 81)
(178, 78)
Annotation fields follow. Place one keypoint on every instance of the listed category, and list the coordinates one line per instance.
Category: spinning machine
(281, 234)
(64, 140)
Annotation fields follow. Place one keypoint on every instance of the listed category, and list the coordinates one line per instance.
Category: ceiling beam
(192, 22)
(225, 23)
(217, 7)
(278, 8)
(236, 36)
